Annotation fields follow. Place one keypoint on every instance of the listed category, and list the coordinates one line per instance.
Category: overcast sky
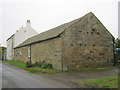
(47, 14)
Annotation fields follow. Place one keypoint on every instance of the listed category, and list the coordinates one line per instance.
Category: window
(91, 51)
(98, 33)
(80, 44)
(101, 53)
(20, 52)
(29, 52)
(107, 45)
(71, 44)
(93, 29)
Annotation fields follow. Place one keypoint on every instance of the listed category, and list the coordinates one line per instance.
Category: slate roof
(50, 33)
(10, 37)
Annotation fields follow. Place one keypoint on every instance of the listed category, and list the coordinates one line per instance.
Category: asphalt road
(13, 77)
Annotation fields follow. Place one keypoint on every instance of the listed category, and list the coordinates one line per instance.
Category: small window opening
(71, 44)
(89, 57)
(91, 17)
(93, 30)
(101, 54)
(91, 52)
(87, 32)
(29, 52)
(98, 33)
(85, 44)
(80, 44)
(93, 45)
(80, 31)
(20, 52)
(107, 45)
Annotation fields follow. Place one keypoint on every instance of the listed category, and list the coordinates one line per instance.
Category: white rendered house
(21, 35)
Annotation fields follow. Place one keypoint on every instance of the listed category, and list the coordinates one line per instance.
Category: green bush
(47, 65)
(41, 64)
(38, 64)
(32, 68)
(29, 64)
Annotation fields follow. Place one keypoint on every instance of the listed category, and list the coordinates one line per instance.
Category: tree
(3, 48)
(117, 43)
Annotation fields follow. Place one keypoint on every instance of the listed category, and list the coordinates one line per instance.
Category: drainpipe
(30, 53)
(62, 64)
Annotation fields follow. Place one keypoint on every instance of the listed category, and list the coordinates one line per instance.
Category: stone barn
(84, 42)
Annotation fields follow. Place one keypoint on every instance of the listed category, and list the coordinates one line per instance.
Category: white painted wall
(21, 35)
(24, 33)
(10, 50)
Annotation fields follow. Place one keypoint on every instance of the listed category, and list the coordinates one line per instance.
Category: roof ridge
(54, 32)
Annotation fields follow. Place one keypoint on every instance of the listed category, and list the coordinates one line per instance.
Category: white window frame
(29, 52)
(20, 52)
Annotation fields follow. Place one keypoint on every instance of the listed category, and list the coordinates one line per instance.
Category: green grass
(52, 71)
(90, 68)
(41, 70)
(16, 63)
(118, 61)
(22, 65)
(104, 82)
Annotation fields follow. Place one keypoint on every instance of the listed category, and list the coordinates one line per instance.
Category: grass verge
(90, 68)
(52, 71)
(16, 63)
(104, 82)
(22, 65)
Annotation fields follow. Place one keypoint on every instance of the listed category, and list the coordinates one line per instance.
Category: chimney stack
(28, 21)
(28, 24)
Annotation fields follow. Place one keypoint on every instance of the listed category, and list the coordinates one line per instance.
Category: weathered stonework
(48, 51)
(85, 42)
(21, 54)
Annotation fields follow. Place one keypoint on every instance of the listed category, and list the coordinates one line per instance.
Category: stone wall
(87, 43)
(10, 46)
(22, 54)
(48, 51)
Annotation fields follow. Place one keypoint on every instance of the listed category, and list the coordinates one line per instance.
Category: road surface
(13, 77)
